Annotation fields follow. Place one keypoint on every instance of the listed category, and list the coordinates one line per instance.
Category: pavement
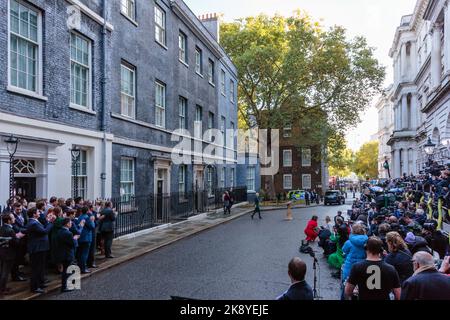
(128, 248)
(235, 259)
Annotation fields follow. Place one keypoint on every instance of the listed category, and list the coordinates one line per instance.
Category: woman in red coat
(312, 230)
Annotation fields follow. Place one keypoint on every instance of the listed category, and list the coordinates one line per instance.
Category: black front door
(159, 200)
(26, 188)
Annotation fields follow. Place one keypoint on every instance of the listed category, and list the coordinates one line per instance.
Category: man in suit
(7, 250)
(107, 219)
(85, 240)
(65, 251)
(299, 290)
(38, 245)
(21, 250)
(91, 258)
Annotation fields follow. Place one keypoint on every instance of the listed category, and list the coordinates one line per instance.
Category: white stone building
(421, 54)
(384, 106)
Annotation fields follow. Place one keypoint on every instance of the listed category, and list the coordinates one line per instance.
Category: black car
(334, 197)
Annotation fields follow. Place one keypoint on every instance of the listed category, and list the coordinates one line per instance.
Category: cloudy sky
(374, 19)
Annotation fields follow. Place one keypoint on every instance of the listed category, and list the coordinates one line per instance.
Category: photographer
(436, 240)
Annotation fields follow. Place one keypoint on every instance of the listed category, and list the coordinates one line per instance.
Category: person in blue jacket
(85, 240)
(354, 249)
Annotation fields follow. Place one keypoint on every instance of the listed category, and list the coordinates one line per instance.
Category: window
(126, 178)
(287, 181)
(232, 92)
(251, 178)
(287, 130)
(79, 176)
(222, 178)
(211, 71)
(209, 180)
(222, 82)
(210, 125)
(222, 129)
(287, 158)
(232, 177)
(182, 104)
(127, 90)
(80, 70)
(25, 46)
(198, 61)
(231, 141)
(160, 105)
(306, 181)
(198, 131)
(182, 45)
(160, 25)
(127, 8)
(182, 181)
(306, 157)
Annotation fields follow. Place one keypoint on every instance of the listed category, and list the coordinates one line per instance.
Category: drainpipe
(103, 103)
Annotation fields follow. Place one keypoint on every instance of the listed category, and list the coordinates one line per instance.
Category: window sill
(184, 63)
(82, 109)
(162, 45)
(211, 84)
(28, 93)
(199, 74)
(223, 94)
(129, 19)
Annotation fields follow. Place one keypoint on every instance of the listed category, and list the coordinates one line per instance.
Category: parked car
(296, 195)
(334, 197)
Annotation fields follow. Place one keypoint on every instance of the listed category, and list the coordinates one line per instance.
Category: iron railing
(137, 213)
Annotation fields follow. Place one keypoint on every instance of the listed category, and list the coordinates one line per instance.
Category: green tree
(366, 161)
(291, 69)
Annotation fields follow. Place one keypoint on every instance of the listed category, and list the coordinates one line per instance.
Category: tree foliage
(292, 70)
(366, 160)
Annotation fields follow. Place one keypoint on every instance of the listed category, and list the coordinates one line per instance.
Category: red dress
(310, 231)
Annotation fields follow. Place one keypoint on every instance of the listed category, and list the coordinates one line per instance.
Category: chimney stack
(212, 23)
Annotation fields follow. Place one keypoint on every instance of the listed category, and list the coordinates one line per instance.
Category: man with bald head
(426, 283)
(299, 290)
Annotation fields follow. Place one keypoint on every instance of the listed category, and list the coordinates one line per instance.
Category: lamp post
(75, 152)
(429, 150)
(11, 144)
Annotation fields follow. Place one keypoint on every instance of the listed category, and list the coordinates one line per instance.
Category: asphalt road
(241, 260)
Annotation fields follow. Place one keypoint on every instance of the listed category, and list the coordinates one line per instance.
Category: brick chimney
(212, 22)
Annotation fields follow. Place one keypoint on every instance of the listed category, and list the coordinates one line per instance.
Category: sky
(377, 20)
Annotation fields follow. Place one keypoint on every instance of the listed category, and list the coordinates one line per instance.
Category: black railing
(139, 213)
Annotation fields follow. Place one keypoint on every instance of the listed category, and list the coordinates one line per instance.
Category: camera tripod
(315, 263)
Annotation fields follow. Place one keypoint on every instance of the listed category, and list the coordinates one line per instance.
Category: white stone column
(414, 112)
(4, 179)
(404, 112)
(404, 66)
(436, 63)
(396, 164)
(446, 38)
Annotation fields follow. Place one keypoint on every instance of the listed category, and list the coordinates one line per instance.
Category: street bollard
(289, 211)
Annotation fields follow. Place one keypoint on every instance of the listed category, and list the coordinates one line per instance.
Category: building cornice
(441, 92)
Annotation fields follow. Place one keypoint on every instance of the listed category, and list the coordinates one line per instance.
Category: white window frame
(222, 177)
(232, 173)
(232, 91)
(222, 82)
(305, 187)
(182, 51)
(82, 175)
(211, 74)
(159, 27)
(223, 123)
(125, 4)
(89, 67)
(198, 122)
(287, 130)
(182, 108)
(199, 61)
(305, 162)
(131, 182)
(209, 181)
(251, 178)
(287, 186)
(182, 174)
(287, 158)
(160, 107)
(39, 69)
(210, 125)
(133, 71)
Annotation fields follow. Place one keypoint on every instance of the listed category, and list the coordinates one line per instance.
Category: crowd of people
(49, 236)
(395, 227)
